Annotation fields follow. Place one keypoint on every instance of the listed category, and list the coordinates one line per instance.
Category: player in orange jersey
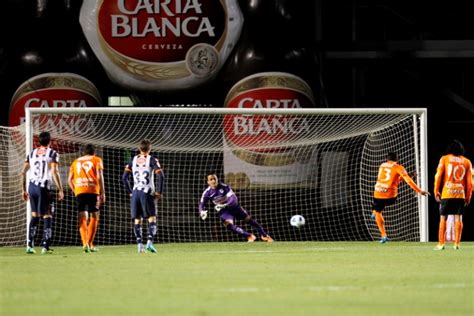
(453, 189)
(386, 189)
(86, 180)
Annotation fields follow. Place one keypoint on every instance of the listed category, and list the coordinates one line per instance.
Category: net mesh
(323, 167)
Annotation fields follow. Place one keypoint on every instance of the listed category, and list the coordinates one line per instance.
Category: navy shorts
(40, 199)
(451, 207)
(87, 202)
(142, 205)
(231, 213)
(380, 204)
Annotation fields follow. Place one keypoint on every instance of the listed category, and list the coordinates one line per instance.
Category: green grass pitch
(283, 278)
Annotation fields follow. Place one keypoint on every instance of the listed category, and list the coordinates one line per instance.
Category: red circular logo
(57, 124)
(52, 98)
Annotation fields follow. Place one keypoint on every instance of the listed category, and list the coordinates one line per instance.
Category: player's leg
(150, 214)
(82, 203)
(45, 209)
(450, 229)
(248, 219)
(378, 206)
(92, 230)
(443, 213)
(137, 231)
(441, 233)
(83, 218)
(33, 226)
(381, 226)
(228, 221)
(33, 192)
(47, 234)
(458, 225)
(137, 217)
(151, 234)
(94, 215)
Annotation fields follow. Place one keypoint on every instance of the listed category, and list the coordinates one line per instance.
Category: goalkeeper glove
(219, 207)
(203, 214)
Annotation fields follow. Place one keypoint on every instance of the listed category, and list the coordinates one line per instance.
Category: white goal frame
(421, 148)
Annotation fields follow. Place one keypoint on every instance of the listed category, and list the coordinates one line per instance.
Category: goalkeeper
(228, 208)
(386, 189)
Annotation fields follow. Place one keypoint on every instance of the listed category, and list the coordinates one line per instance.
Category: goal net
(318, 163)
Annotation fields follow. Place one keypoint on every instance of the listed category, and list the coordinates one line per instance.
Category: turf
(283, 278)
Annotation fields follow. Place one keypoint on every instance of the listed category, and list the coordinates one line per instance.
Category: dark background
(416, 54)
(354, 54)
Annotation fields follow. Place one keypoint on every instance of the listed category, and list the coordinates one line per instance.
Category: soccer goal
(318, 163)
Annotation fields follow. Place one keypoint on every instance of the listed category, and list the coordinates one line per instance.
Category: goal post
(319, 163)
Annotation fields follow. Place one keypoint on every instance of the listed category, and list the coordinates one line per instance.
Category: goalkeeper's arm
(201, 211)
(203, 214)
(231, 202)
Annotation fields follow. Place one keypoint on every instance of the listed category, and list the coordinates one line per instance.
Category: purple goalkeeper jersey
(222, 194)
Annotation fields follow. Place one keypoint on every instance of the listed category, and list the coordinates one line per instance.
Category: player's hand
(102, 198)
(25, 196)
(425, 193)
(60, 195)
(157, 195)
(219, 207)
(438, 197)
(203, 214)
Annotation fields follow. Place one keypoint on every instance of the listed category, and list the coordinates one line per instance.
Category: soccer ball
(297, 221)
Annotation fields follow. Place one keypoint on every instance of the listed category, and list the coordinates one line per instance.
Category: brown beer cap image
(53, 90)
(56, 90)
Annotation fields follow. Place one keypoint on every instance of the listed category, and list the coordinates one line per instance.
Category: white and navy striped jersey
(143, 170)
(40, 160)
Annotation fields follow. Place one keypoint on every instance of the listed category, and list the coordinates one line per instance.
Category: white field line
(348, 288)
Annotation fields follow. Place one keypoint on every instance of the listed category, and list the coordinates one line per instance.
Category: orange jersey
(389, 177)
(85, 174)
(453, 179)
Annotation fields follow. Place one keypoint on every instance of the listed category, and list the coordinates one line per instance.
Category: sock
(83, 230)
(458, 232)
(255, 224)
(32, 231)
(92, 230)
(137, 230)
(237, 230)
(442, 232)
(151, 231)
(380, 223)
(47, 232)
